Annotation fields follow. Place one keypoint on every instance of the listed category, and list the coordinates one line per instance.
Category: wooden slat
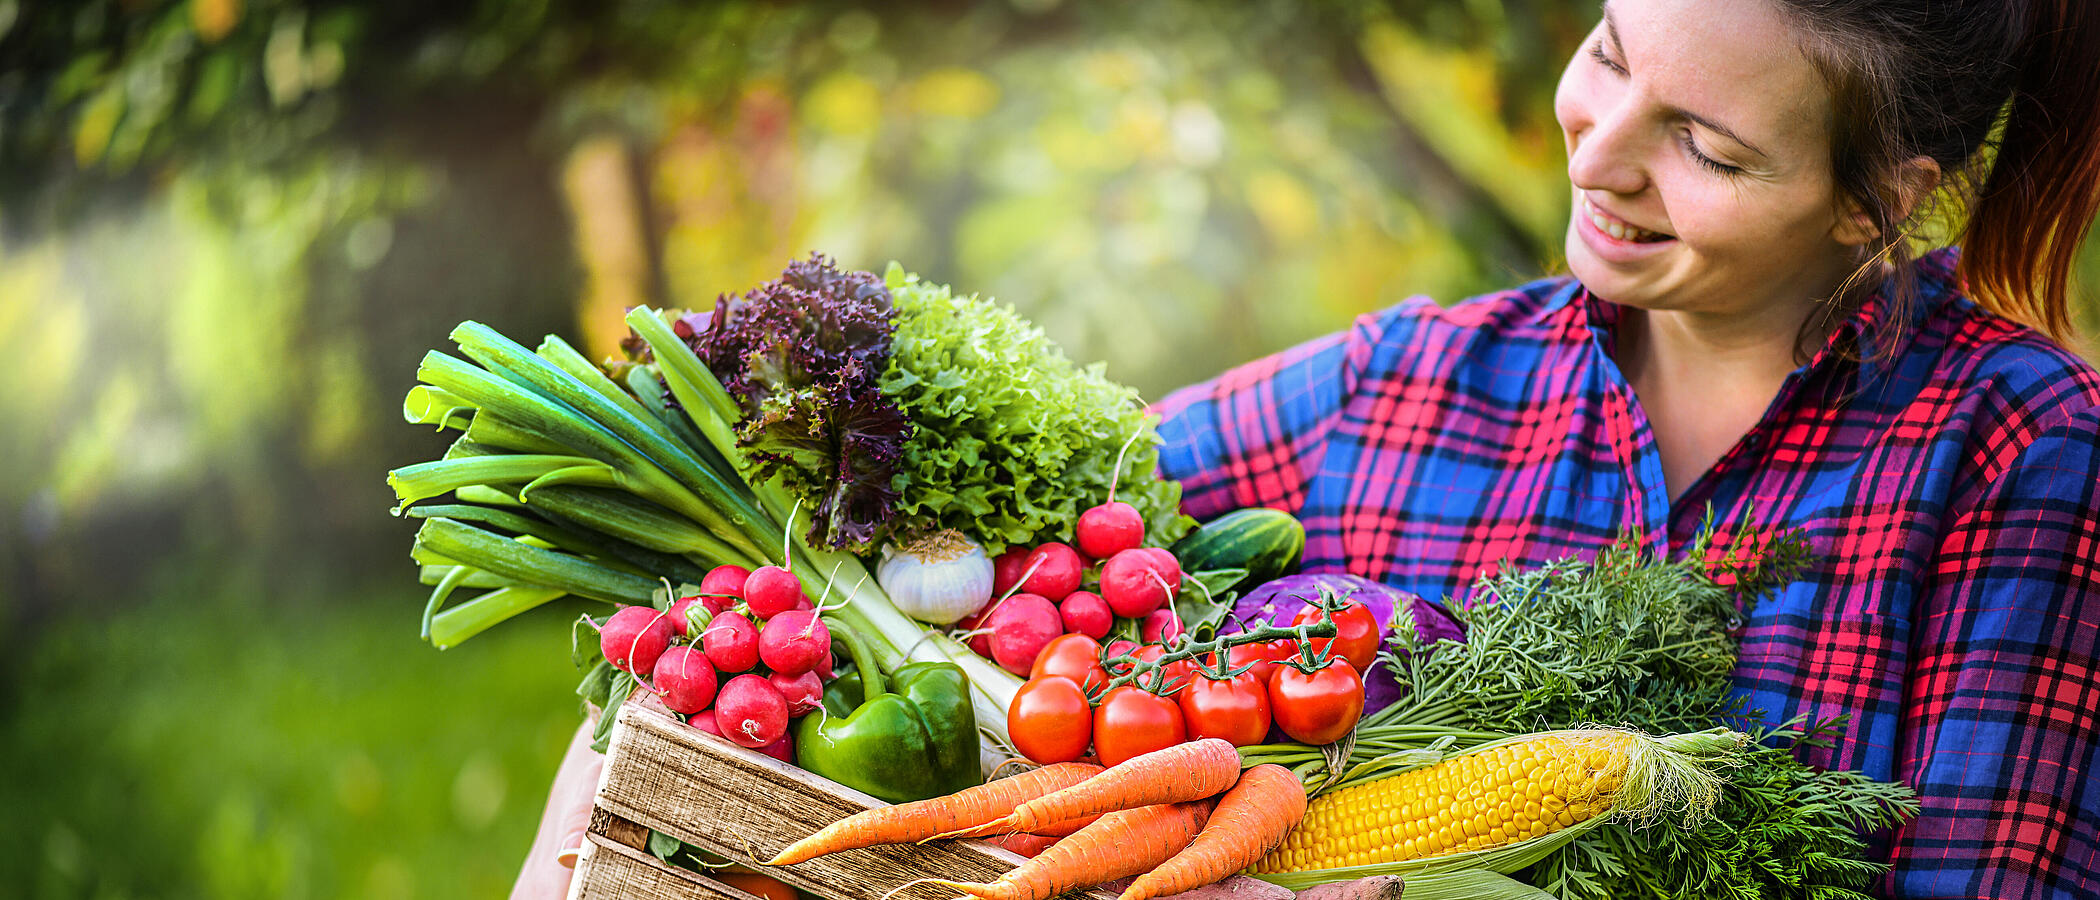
(610, 870)
(703, 790)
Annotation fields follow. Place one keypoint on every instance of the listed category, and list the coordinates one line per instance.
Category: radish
(1084, 612)
(724, 583)
(783, 749)
(1161, 626)
(1052, 571)
(634, 637)
(804, 692)
(1021, 627)
(981, 643)
(1007, 569)
(1109, 529)
(751, 712)
(793, 642)
(772, 590)
(705, 721)
(1135, 582)
(731, 642)
(684, 616)
(1114, 526)
(685, 679)
(1115, 648)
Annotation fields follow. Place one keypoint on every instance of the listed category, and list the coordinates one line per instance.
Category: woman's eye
(1709, 163)
(1597, 53)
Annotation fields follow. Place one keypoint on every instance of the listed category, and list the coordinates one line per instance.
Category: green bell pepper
(917, 742)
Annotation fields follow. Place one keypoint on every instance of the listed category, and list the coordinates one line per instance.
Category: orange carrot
(1024, 844)
(1118, 845)
(1001, 826)
(922, 819)
(1251, 819)
(1177, 774)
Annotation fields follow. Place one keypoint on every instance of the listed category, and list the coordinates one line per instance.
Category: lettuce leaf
(802, 356)
(1011, 441)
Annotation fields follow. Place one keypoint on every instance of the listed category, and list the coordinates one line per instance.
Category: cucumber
(1265, 542)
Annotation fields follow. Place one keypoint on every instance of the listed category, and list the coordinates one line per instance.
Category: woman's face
(1699, 150)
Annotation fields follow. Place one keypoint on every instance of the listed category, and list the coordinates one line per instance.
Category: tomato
(1235, 709)
(756, 885)
(1074, 656)
(1356, 634)
(1130, 722)
(1049, 720)
(1178, 672)
(1320, 707)
(1263, 655)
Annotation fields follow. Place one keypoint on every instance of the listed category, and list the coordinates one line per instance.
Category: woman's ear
(1915, 180)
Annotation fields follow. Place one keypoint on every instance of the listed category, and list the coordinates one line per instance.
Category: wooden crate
(664, 775)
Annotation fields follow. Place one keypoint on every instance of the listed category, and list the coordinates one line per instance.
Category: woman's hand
(552, 860)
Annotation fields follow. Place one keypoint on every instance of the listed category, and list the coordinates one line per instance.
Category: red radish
(980, 644)
(1053, 571)
(1115, 648)
(772, 590)
(805, 604)
(705, 721)
(751, 712)
(1109, 529)
(804, 692)
(634, 637)
(1084, 612)
(793, 642)
(685, 679)
(1021, 626)
(783, 750)
(823, 668)
(1007, 569)
(1161, 626)
(1135, 583)
(682, 617)
(731, 642)
(724, 582)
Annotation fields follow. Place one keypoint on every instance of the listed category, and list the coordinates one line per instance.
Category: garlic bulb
(939, 578)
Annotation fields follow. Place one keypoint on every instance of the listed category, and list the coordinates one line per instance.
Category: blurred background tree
(228, 229)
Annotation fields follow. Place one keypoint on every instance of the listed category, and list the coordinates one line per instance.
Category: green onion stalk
(564, 482)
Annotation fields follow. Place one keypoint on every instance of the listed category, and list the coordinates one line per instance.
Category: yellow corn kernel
(1479, 801)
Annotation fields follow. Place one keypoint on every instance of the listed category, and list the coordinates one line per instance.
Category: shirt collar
(1866, 334)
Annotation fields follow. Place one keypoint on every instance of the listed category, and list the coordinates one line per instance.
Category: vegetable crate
(663, 775)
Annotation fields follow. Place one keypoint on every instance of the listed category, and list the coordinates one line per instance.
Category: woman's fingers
(575, 812)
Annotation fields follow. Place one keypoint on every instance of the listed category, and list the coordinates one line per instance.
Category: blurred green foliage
(228, 229)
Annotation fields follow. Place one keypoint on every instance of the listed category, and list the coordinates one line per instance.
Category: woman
(1735, 166)
(1743, 331)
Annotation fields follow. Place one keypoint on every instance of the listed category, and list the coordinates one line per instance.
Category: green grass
(215, 742)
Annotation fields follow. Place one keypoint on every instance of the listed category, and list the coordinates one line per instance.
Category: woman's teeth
(1620, 230)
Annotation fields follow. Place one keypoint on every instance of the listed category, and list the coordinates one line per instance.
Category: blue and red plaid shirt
(1950, 487)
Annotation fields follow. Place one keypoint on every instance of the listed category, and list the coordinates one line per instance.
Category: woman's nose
(1604, 156)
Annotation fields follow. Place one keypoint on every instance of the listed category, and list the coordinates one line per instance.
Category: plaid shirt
(1951, 493)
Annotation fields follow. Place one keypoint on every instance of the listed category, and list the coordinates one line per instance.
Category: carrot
(1002, 826)
(1251, 819)
(1177, 774)
(1024, 844)
(922, 819)
(1120, 844)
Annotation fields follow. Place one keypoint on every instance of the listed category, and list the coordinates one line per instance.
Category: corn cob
(1492, 798)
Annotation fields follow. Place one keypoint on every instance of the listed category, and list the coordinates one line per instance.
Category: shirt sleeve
(1254, 435)
(2002, 709)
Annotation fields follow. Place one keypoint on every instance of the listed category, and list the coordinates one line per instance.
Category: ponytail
(2023, 235)
(1935, 79)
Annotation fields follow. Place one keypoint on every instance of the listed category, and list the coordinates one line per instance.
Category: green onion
(473, 617)
(531, 565)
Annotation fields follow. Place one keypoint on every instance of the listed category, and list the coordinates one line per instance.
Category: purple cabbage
(1279, 601)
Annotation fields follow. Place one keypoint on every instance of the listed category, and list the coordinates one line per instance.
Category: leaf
(622, 685)
(1205, 600)
(584, 645)
(663, 846)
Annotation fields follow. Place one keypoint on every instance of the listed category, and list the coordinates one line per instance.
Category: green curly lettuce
(1011, 440)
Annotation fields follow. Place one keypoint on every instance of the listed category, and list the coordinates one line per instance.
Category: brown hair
(2004, 95)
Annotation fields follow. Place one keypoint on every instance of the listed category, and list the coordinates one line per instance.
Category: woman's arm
(2002, 708)
(551, 861)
